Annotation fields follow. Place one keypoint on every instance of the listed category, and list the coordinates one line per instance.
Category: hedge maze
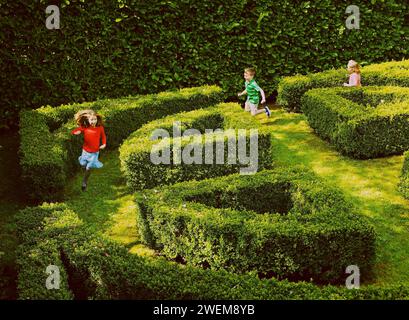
(281, 233)
(282, 223)
(362, 123)
(48, 152)
(291, 89)
(141, 172)
(92, 267)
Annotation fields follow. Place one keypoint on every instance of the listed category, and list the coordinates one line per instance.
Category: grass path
(108, 205)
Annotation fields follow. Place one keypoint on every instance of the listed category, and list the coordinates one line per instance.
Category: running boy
(252, 90)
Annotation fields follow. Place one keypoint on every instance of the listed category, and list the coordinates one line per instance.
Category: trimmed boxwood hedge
(39, 230)
(291, 89)
(363, 122)
(49, 153)
(284, 223)
(141, 172)
(93, 267)
(404, 178)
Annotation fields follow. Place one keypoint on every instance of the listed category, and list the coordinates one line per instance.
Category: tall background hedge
(112, 48)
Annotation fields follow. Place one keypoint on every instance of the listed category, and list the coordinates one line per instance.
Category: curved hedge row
(135, 152)
(363, 122)
(92, 267)
(116, 48)
(49, 153)
(39, 230)
(284, 223)
(291, 89)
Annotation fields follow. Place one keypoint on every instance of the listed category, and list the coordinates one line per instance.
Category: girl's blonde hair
(81, 118)
(354, 66)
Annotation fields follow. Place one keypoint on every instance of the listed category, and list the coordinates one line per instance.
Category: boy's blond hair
(250, 71)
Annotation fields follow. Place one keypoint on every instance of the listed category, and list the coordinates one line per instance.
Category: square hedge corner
(281, 223)
(362, 123)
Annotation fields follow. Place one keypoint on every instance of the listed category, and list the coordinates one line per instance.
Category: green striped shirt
(252, 89)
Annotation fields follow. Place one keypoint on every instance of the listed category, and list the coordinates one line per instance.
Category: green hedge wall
(115, 48)
(404, 178)
(291, 89)
(39, 230)
(362, 123)
(283, 223)
(49, 152)
(135, 152)
(92, 267)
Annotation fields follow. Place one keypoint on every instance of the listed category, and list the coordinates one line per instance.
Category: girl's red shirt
(92, 137)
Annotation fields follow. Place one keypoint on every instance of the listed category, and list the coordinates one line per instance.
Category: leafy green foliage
(92, 267)
(141, 172)
(291, 89)
(39, 229)
(109, 49)
(49, 153)
(284, 223)
(404, 178)
(363, 122)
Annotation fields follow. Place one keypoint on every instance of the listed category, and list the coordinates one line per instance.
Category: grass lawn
(108, 205)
